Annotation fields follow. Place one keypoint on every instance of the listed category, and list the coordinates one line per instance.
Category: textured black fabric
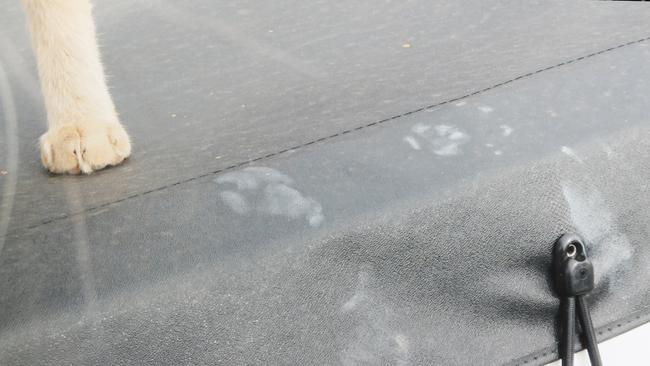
(423, 239)
(459, 281)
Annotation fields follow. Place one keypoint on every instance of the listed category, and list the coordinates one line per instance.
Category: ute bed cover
(332, 182)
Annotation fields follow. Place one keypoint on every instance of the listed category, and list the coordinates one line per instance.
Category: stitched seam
(610, 330)
(332, 136)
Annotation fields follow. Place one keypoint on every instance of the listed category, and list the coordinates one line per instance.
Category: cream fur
(84, 133)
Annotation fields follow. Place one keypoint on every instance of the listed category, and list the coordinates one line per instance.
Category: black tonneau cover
(340, 182)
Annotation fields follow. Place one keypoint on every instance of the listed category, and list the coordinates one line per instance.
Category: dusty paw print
(267, 191)
(442, 140)
(374, 340)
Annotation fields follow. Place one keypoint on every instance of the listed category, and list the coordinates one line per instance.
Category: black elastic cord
(569, 331)
(588, 330)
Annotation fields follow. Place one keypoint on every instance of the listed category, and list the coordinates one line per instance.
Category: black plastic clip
(573, 275)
